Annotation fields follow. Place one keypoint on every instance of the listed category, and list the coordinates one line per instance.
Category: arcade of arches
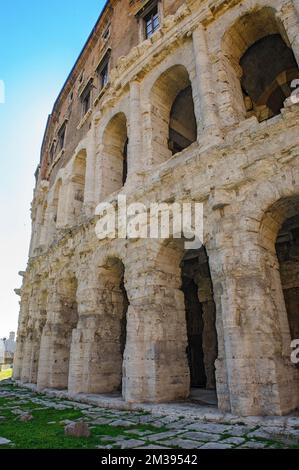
(147, 319)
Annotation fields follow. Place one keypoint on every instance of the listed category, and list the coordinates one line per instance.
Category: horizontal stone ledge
(178, 409)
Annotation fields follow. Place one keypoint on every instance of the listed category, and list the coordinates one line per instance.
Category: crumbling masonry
(172, 101)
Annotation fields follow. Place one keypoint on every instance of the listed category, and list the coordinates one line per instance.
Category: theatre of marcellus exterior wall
(171, 101)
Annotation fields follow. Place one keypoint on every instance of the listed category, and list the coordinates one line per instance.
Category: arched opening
(62, 319)
(174, 126)
(202, 349)
(115, 155)
(287, 249)
(67, 322)
(115, 304)
(78, 185)
(188, 343)
(279, 240)
(260, 65)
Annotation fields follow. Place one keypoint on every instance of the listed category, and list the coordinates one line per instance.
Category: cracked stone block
(253, 445)
(233, 440)
(153, 446)
(163, 435)
(201, 436)
(100, 421)
(216, 445)
(238, 431)
(138, 433)
(122, 423)
(130, 444)
(147, 419)
(206, 427)
(182, 443)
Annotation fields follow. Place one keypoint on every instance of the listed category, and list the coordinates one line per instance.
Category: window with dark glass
(152, 21)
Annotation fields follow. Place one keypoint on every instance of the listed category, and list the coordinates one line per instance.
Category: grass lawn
(5, 374)
(46, 429)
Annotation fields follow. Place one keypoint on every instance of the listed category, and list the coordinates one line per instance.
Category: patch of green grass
(5, 374)
(39, 434)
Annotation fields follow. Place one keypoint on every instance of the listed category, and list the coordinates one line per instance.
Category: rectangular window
(103, 70)
(86, 102)
(104, 76)
(86, 98)
(52, 152)
(61, 137)
(152, 22)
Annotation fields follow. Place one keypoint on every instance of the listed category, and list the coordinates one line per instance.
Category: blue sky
(39, 43)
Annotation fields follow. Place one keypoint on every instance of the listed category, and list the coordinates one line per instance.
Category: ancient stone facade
(172, 101)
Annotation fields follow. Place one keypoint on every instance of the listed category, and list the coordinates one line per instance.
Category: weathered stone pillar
(96, 359)
(27, 356)
(21, 337)
(155, 358)
(249, 298)
(135, 157)
(209, 117)
(289, 18)
(53, 368)
(34, 327)
(89, 190)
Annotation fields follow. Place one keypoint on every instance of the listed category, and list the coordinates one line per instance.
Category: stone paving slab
(122, 423)
(234, 440)
(153, 446)
(163, 435)
(216, 445)
(182, 443)
(199, 428)
(129, 444)
(186, 409)
(201, 436)
(211, 428)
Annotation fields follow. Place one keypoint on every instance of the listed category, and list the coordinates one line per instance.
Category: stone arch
(114, 159)
(62, 319)
(173, 120)
(98, 342)
(157, 362)
(193, 277)
(112, 287)
(261, 378)
(259, 63)
(279, 236)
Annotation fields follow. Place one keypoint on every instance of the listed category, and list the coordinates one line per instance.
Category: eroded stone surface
(99, 316)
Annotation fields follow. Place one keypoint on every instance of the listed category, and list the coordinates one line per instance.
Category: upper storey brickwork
(120, 27)
(157, 79)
